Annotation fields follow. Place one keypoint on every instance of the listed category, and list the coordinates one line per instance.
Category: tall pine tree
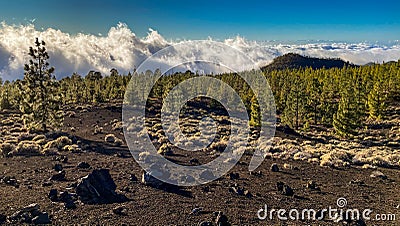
(41, 104)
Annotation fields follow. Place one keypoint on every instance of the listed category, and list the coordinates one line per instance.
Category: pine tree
(347, 117)
(376, 101)
(255, 115)
(39, 91)
(5, 102)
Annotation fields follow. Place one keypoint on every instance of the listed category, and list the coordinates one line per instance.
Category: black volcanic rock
(98, 188)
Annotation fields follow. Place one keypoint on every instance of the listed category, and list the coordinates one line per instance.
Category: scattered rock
(312, 185)
(41, 218)
(234, 176)
(120, 210)
(64, 197)
(378, 174)
(274, 168)
(357, 182)
(53, 195)
(196, 211)
(194, 161)
(69, 205)
(248, 194)
(47, 184)
(10, 180)
(30, 215)
(206, 223)
(133, 178)
(59, 176)
(284, 189)
(3, 218)
(98, 188)
(256, 173)
(240, 191)
(221, 219)
(150, 180)
(58, 167)
(83, 165)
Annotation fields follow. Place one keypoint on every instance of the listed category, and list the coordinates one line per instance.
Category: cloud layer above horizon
(123, 50)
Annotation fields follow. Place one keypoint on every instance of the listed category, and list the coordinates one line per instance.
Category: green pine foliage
(339, 97)
(41, 103)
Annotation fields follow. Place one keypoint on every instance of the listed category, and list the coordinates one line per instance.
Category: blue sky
(255, 20)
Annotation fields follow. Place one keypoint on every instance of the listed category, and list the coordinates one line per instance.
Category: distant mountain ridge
(294, 60)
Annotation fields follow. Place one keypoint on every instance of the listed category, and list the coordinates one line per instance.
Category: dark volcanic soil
(151, 206)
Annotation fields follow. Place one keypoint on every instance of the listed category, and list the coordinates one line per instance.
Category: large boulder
(98, 188)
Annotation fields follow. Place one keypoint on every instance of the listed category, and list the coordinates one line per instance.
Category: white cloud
(123, 50)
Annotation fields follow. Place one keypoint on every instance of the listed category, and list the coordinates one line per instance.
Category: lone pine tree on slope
(41, 101)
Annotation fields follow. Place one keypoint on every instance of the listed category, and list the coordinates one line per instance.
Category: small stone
(248, 194)
(58, 167)
(133, 178)
(120, 210)
(234, 176)
(274, 167)
(3, 218)
(196, 211)
(70, 205)
(378, 174)
(284, 189)
(65, 196)
(279, 185)
(47, 184)
(357, 182)
(254, 173)
(206, 223)
(311, 185)
(42, 218)
(221, 219)
(83, 165)
(53, 195)
(149, 179)
(60, 176)
(287, 190)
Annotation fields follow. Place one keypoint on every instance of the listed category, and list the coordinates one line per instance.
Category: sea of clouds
(123, 50)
